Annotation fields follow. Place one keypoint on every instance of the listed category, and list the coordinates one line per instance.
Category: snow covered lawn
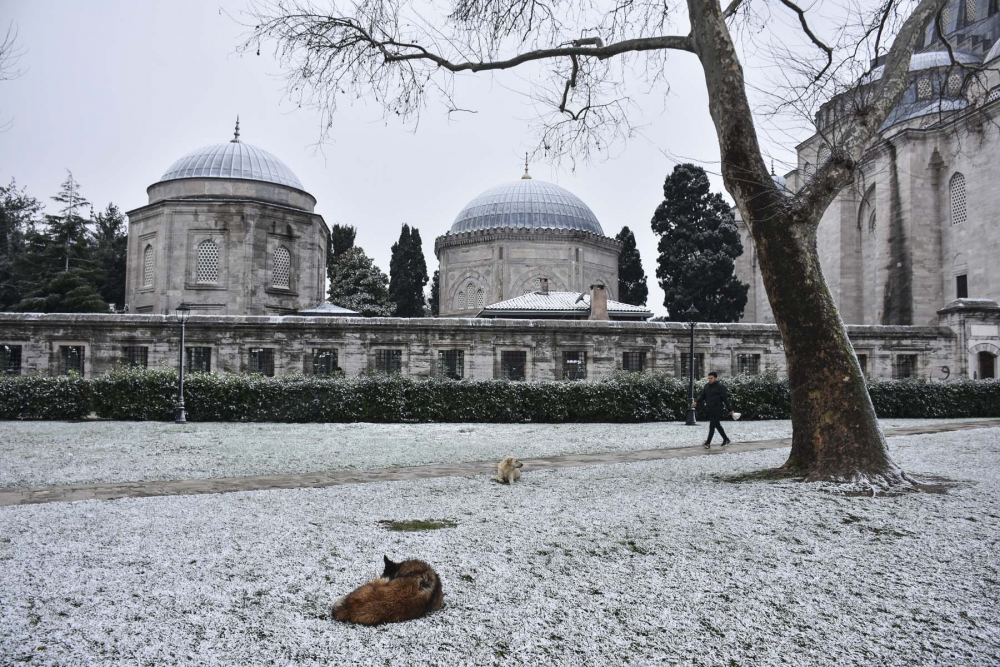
(49, 453)
(650, 562)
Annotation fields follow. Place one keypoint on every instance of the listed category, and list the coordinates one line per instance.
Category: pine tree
(341, 240)
(66, 292)
(19, 213)
(698, 247)
(434, 303)
(68, 230)
(111, 247)
(632, 286)
(358, 284)
(408, 274)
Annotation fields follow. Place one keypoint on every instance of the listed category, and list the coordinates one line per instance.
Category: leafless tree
(392, 52)
(10, 54)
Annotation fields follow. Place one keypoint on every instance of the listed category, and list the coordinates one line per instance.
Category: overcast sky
(117, 90)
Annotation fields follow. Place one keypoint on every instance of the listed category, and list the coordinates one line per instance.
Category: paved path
(317, 480)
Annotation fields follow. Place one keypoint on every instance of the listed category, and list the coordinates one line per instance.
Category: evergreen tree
(341, 240)
(632, 286)
(434, 303)
(358, 284)
(407, 274)
(698, 246)
(65, 292)
(18, 217)
(71, 239)
(111, 247)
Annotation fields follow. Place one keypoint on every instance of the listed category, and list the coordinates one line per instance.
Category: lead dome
(526, 204)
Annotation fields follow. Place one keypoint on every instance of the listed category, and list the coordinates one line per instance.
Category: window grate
(135, 355)
(470, 295)
(148, 261)
(954, 83)
(71, 358)
(924, 88)
(324, 361)
(451, 364)
(574, 365)
(513, 364)
(634, 361)
(460, 301)
(198, 359)
(957, 191)
(480, 298)
(389, 361)
(207, 264)
(261, 361)
(863, 362)
(10, 359)
(993, 95)
(281, 268)
(699, 365)
(962, 286)
(971, 11)
(906, 366)
(748, 364)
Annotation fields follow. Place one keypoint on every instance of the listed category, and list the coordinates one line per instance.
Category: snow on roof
(561, 302)
(328, 309)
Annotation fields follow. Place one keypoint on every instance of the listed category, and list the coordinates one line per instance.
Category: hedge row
(139, 394)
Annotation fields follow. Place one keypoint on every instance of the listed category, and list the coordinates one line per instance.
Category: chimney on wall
(543, 286)
(598, 302)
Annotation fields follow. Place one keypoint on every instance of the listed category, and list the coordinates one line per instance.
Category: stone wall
(482, 342)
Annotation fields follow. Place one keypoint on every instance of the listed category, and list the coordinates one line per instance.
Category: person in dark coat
(717, 401)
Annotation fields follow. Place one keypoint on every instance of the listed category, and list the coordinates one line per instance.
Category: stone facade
(420, 348)
(480, 268)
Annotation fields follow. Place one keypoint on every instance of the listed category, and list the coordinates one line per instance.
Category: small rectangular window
(71, 358)
(906, 366)
(197, 360)
(324, 361)
(962, 286)
(513, 364)
(135, 355)
(748, 364)
(634, 361)
(863, 362)
(501, 252)
(10, 359)
(574, 365)
(699, 365)
(389, 361)
(451, 364)
(261, 361)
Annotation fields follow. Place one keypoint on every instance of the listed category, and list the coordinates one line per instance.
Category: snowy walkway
(323, 479)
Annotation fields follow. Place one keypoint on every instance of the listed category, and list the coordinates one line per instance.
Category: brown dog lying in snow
(507, 470)
(405, 591)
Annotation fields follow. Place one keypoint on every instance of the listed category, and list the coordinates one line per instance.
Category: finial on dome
(526, 174)
(772, 166)
(236, 134)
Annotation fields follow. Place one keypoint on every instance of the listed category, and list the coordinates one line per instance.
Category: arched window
(954, 84)
(970, 11)
(460, 301)
(956, 189)
(148, 265)
(946, 18)
(281, 267)
(480, 298)
(866, 212)
(470, 295)
(207, 264)
(924, 88)
(824, 155)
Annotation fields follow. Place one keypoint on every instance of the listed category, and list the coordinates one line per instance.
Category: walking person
(717, 400)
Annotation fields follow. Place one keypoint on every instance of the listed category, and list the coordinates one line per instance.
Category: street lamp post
(183, 312)
(692, 418)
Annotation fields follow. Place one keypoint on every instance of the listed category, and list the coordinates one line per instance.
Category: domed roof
(527, 204)
(233, 159)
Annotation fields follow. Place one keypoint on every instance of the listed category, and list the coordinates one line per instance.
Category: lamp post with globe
(692, 419)
(183, 312)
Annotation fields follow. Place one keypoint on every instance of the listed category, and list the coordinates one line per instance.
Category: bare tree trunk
(836, 434)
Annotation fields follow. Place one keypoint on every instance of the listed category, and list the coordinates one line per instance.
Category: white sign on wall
(985, 331)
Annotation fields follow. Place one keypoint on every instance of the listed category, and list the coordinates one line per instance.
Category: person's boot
(707, 445)
(727, 441)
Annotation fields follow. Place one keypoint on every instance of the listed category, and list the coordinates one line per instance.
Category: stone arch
(462, 297)
(960, 262)
(992, 348)
(526, 283)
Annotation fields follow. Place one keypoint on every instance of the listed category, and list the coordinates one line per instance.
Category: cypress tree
(341, 240)
(632, 286)
(111, 247)
(407, 274)
(435, 301)
(19, 214)
(698, 247)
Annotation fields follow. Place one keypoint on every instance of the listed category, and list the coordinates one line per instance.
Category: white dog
(507, 470)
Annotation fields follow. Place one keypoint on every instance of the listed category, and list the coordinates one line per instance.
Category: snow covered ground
(48, 453)
(658, 562)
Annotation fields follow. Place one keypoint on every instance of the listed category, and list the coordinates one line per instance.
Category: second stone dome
(526, 204)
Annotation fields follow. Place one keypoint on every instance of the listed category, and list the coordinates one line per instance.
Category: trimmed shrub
(43, 397)
(130, 393)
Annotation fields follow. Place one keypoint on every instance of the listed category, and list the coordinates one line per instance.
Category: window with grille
(513, 364)
(574, 365)
(71, 358)
(451, 364)
(324, 361)
(954, 83)
(207, 264)
(460, 301)
(501, 252)
(699, 365)
(962, 286)
(924, 88)
(197, 359)
(389, 361)
(281, 268)
(971, 11)
(957, 193)
(748, 364)
(480, 298)
(261, 360)
(148, 262)
(135, 355)
(824, 155)
(634, 361)
(993, 95)
(863, 362)
(946, 18)
(994, 7)
(470, 295)
(10, 359)
(906, 366)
